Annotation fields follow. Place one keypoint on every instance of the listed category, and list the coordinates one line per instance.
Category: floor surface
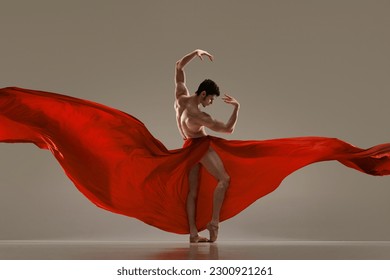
(295, 250)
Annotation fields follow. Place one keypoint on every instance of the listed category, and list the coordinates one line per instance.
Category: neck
(196, 99)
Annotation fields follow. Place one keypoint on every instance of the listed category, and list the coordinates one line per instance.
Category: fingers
(201, 53)
(208, 55)
(227, 98)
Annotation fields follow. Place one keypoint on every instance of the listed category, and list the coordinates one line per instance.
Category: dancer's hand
(230, 100)
(201, 52)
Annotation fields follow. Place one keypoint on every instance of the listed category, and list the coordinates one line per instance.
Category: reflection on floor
(273, 250)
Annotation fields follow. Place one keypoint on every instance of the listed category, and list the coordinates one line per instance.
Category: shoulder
(202, 117)
(181, 90)
(181, 100)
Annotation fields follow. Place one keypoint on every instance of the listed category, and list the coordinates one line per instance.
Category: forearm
(233, 119)
(187, 58)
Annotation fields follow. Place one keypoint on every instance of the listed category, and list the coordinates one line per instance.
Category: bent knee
(225, 181)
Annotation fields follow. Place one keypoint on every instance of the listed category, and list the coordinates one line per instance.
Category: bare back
(186, 117)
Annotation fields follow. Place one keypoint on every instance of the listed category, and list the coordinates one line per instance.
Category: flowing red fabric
(112, 158)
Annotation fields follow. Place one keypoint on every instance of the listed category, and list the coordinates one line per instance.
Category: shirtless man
(191, 122)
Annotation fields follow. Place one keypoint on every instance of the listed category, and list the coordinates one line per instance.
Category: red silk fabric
(112, 158)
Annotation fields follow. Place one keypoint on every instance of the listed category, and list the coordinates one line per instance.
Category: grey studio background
(298, 68)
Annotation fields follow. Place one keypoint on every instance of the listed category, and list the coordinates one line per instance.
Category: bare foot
(213, 229)
(198, 239)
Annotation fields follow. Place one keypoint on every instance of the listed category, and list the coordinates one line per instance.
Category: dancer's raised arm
(181, 88)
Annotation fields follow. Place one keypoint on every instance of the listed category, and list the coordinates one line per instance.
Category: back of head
(209, 86)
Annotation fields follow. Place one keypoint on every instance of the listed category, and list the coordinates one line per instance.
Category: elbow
(229, 130)
(178, 64)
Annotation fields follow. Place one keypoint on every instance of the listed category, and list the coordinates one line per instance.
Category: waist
(190, 140)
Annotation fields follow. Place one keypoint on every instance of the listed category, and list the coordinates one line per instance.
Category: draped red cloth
(112, 158)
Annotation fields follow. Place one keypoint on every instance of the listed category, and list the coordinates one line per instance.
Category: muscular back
(187, 118)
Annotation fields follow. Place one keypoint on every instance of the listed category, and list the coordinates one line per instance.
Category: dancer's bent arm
(206, 120)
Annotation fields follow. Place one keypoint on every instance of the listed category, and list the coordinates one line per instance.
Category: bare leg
(213, 164)
(191, 205)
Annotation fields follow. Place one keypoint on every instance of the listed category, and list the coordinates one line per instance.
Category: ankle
(212, 226)
(194, 233)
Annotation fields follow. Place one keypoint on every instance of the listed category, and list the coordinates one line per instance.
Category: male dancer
(191, 122)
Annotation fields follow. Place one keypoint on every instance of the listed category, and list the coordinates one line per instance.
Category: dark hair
(209, 86)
